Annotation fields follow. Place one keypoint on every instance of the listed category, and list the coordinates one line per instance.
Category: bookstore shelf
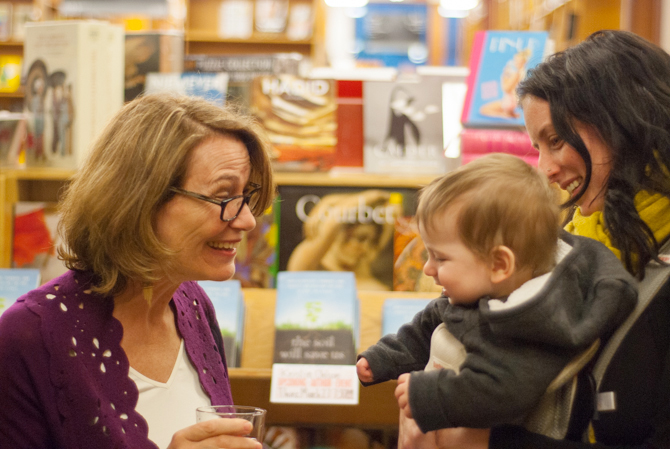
(251, 382)
(44, 184)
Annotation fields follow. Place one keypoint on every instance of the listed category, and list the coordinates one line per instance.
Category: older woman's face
(561, 162)
(218, 168)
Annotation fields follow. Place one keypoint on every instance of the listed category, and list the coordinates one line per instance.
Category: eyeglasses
(230, 207)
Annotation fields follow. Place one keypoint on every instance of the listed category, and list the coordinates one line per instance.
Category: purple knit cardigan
(64, 377)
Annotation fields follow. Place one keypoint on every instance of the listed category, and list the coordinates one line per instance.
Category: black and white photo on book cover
(403, 127)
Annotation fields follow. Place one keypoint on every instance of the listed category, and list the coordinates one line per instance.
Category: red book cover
(468, 157)
(349, 151)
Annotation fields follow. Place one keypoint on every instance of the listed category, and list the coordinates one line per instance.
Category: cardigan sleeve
(28, 413)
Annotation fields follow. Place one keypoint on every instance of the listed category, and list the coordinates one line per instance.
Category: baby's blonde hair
(501, 200)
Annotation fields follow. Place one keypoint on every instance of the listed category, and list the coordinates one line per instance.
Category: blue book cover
(15, 282)
(398, 311)
(210, 86)
(228, 300)
(316, 318)
(498, 61)
(392, 34)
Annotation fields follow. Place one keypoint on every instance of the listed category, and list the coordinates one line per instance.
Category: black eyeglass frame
(222, 203)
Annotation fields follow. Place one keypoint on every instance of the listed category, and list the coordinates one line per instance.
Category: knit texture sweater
(64, 376)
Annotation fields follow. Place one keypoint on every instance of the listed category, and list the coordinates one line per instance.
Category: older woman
(599, 115)
(120, 350)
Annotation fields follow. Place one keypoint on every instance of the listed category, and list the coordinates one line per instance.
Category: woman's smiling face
(561, 163)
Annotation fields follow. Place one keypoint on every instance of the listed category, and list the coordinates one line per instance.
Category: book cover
(342, 229)
(300, 22)
(5, 21)
(228, 300)
(210, 86)
(36, 238)
(236, 19)
(10, 72)
(271, 15)
(392, 35)
(409, 257)
(22, 13)
(256, 263)
(398, 311)
(15, 282)
(300, 116)
(242, 69)
(403, 127)
(489, 140)
(349, 149)
(65, 70)
(151, 52)
(499, 60)
(316, 318)
(12, 137)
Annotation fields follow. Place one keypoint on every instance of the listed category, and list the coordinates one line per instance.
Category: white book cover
(403, 127)
(65, 65)
(15, 282)
(236, 19)
(228, 300)
(316, 318)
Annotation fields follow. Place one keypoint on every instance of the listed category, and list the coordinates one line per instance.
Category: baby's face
(463, 275)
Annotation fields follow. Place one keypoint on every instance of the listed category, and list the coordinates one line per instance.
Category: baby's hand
(402, 395)
(363, 370)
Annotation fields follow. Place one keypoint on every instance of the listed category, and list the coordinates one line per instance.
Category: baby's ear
(503, 264)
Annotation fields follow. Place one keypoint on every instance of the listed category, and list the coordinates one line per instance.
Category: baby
(520, 300)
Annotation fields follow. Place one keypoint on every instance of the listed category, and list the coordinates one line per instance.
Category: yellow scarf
(654, 209)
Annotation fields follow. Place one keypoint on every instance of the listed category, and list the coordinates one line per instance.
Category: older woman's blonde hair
(109, 208)
(501, 200)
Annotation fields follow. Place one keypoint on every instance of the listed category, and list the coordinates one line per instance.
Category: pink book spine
(475, 59)
(496, 141)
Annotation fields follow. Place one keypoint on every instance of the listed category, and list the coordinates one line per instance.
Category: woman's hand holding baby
(402, 395)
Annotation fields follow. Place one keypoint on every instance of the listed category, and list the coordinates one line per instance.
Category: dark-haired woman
(599, 115)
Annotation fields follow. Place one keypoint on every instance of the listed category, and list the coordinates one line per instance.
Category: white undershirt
(169, 407)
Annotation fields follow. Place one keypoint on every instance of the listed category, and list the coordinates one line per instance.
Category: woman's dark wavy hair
(618, 83)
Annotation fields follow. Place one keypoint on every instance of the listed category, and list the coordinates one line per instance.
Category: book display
(70, 88)
(492, 118)
(242, 69)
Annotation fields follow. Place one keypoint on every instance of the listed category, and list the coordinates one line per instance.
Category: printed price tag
(314, 384)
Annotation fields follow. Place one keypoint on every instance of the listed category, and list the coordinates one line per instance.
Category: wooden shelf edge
(281, 178)
(250, 373)
(38, 173)
(197, 36)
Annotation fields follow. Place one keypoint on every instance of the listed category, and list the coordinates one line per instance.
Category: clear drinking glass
(255, 415)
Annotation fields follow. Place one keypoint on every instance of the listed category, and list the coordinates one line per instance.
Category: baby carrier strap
(656, 275)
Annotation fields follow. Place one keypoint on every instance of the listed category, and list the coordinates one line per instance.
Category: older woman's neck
(148, 304)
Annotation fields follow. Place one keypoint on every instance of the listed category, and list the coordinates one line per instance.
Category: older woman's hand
(411, 437)
(214, 434)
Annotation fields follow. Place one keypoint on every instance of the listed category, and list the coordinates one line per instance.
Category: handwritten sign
(314, 384)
